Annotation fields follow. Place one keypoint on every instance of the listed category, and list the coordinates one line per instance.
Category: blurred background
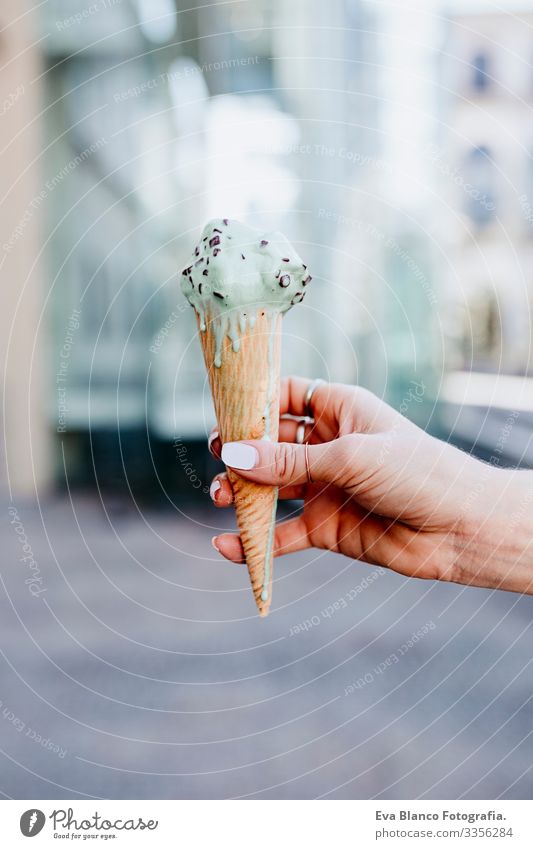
(393, 145)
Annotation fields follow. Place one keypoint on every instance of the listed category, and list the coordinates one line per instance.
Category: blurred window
(480, 67)
(479, 184)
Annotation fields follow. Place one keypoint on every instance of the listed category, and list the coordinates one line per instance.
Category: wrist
(494, 537)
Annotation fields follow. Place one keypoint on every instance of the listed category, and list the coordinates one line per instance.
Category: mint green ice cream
(237, 270)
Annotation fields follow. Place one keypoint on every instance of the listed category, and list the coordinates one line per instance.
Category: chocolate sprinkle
(278, 273)
(218, 295)
(197, 251)
(299, 296)
(216, 252)
(285, 280)
(286, 259)
(216, 230)
(199, 261)
(307, 280)
(225, 221)
(200, 288)
(243, 256)
(205, 272)
(263, 243)
(214, 241)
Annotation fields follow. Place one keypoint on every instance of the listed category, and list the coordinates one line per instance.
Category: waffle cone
(240, 388)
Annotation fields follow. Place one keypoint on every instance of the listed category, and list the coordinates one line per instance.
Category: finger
(214, 444)
(287, 433)
(292, 396)
(289, 536)
(220, 491)
(222, 494)
(284, 463)
(292, 492)
(288, 429)
(229, 546)
(339, 407)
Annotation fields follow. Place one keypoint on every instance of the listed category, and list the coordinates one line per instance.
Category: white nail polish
(211, 439)
(214, 544)
(238, 455)
(213, 489)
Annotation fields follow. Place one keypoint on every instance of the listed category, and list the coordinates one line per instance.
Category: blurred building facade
(386, 244)
(483, 159)
(25, 440)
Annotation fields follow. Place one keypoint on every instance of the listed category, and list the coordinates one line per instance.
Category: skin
(386, 492)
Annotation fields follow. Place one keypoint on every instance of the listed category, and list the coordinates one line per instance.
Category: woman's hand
(385, 492)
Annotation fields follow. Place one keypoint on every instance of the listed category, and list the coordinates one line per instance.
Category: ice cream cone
(245, 390)
(240, 282)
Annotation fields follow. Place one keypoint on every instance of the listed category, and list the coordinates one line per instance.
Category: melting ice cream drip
(236, 270)
(268, 435)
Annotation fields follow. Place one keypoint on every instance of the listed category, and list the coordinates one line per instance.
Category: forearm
(495, 535)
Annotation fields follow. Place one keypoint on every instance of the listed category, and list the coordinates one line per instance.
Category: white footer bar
(272, 824)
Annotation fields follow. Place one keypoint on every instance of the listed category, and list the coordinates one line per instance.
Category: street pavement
(133, 665)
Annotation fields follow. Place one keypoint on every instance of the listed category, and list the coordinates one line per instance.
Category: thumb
(285, 462)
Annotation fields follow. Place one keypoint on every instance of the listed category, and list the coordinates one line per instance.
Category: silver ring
(300, 431)
(311, 389)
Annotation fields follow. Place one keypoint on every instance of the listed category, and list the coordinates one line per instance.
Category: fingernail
(212, 437)
(213, 489)
(238, 455)
(214, 544)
